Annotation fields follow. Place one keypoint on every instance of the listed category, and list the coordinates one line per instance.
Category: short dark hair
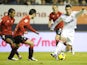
(32, 11)
(10, 10)
(68, 5)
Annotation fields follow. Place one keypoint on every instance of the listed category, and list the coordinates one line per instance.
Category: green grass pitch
(44, 58)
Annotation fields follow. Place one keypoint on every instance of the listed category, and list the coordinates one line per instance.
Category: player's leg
(61, 45)
(58, 34)
(16, 52)
(68, 39)
(24, 40)
(59, 48)
(12, 53)
(57, 39)
(67, 42)
(31, 51)
(14, 46)
(70, 42)
(7, 39)
(70, 48)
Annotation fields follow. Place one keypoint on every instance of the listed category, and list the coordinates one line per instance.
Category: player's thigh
(8, 38)
(70, 38)
(57, 37)
(64, 35)
(29, 42)
(67, 36)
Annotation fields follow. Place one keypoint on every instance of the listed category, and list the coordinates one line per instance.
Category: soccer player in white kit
(67, 35)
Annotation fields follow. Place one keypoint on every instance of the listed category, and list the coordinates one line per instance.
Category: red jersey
(54, 16)
(6, 25)
(0, 33)
(0, 24)
(0, 28)
(23, 26)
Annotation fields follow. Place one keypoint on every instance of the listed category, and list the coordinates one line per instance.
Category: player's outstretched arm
(82, 11)
(55, 23)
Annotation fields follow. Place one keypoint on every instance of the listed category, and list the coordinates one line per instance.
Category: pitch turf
(80, 58)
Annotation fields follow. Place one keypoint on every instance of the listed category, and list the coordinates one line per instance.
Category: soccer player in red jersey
(52, 18)
(6, 31)
(22, 28)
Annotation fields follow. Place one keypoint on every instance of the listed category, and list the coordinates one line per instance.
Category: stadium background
(46, 40)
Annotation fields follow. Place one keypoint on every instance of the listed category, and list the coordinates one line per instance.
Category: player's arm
(32, 29)
(80, 12)
(49, 23)
(0, 28)
(4, 19)
(0, 25)
(55, 23)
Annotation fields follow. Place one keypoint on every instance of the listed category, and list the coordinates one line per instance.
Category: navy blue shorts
(4, 37)
(20, 39)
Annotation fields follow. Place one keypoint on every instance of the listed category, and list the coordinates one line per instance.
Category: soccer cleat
(13, 59)
(33, 59)
(19, 57)
(54, 55)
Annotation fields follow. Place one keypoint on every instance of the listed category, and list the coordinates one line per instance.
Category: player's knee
(9, 41)
(29, 42)
(63, 39)
(57, 37)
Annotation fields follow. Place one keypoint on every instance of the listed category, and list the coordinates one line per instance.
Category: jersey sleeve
(4, 19)
(29, 27)
(56, 22)
(50, 17)
(79, 13)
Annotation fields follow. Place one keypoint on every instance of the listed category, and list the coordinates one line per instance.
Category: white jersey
(69, 25)
(69, 21)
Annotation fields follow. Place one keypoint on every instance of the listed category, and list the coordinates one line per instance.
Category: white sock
(72, 51)
(59, 48)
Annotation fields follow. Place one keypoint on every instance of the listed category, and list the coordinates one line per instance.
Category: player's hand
(37, 32)
(51, 29)
(49, 25)
(83, 8)
(26, 32)
(85, 11)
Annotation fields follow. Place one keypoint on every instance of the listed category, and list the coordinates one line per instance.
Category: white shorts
(69, 35)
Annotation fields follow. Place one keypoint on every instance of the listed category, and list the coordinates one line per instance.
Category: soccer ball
(61, 56)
